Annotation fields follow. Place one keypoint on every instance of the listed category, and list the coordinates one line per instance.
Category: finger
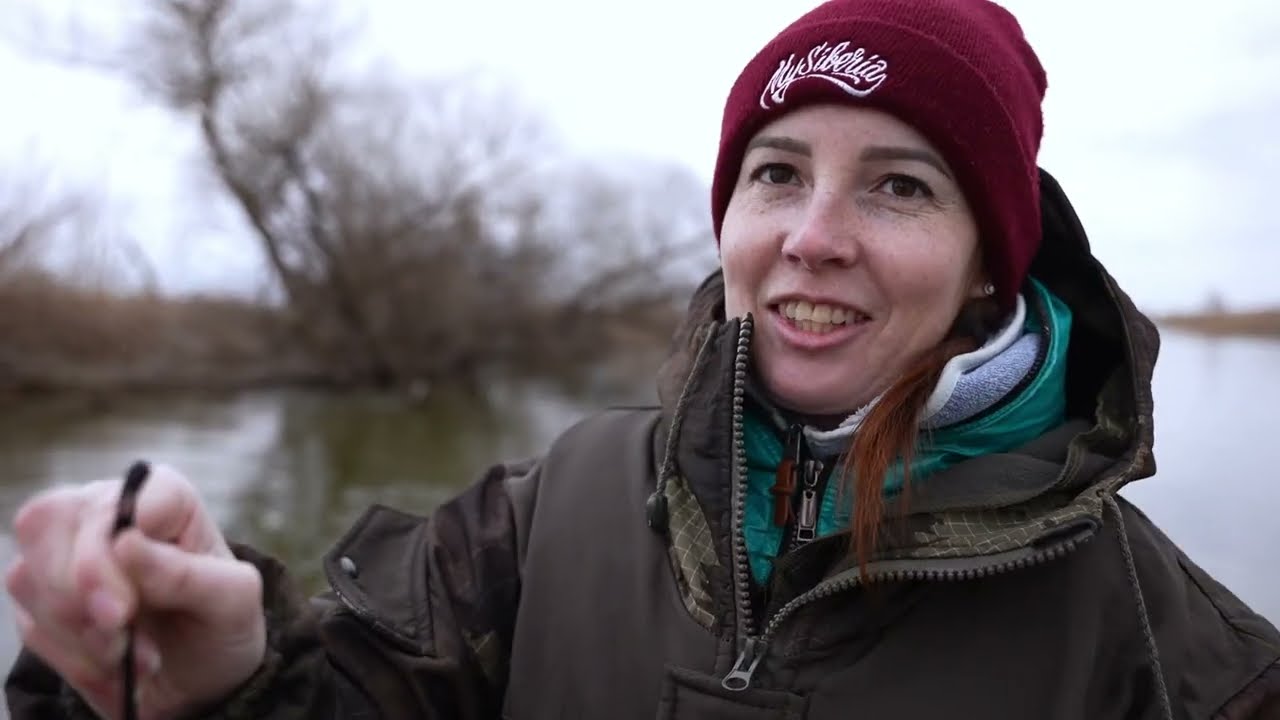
(80, 597)
(63, 534)
(169, 578)
(146, 654)
(97, 582)
(58, 611)
(64, 624)
(45, 528)
(46, 512)
(96, 683)
(169, 508)
(20, 585)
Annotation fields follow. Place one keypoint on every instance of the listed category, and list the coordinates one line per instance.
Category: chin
(800, 393)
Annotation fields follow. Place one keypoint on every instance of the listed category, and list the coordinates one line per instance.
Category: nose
(826, 235)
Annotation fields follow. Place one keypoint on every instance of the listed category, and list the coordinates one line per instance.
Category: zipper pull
(784, 479)
(807, 522)
(739, 678)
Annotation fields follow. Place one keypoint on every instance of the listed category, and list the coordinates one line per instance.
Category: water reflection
(1216, 491)
(328, 458)
(289, 471)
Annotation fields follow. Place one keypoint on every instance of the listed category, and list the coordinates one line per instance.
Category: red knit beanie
(958, 71)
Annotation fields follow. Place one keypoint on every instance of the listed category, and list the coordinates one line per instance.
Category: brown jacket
(607, 579)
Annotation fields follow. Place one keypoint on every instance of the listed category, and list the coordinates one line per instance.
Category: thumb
(169, 508)
(170, 578)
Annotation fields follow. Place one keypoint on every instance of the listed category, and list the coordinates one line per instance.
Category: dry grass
(55, 336)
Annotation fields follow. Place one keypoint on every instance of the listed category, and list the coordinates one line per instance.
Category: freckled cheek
(740, 292)
(924, 303)
(745, 265)
(919, 273)
(920, 288)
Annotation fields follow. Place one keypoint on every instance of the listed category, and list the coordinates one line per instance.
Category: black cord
(134, 478)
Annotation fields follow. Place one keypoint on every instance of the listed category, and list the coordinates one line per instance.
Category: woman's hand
(196, 610)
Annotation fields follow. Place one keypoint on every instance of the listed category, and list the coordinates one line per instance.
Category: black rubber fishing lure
(134, 478)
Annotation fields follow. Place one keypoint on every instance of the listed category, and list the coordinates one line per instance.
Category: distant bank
(1253, 323)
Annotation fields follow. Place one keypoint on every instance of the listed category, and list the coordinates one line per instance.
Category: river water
(288, 470)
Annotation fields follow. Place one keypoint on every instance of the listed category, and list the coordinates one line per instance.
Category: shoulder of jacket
(606, 429)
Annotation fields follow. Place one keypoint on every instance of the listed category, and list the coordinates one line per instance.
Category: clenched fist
(195, 609)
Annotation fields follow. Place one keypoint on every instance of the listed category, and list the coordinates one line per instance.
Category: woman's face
(849, 240)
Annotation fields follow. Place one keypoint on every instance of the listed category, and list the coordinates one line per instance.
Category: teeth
(815, 327)
(819, 318)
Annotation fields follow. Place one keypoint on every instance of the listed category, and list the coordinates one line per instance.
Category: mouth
(819, 318)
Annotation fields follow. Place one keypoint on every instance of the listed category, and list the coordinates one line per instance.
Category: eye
(774, 174)
(906, 187)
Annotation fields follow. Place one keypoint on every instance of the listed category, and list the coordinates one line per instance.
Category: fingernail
(105, 610)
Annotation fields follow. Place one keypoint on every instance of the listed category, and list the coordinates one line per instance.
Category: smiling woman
(845, 212)
(849, 240)
(882, 478)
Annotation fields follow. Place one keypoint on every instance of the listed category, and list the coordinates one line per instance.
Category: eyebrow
(886, 152)
(780, 142)
(875, 153)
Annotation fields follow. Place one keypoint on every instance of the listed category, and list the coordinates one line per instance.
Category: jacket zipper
(754, 647)
(812, 487)
(743, 612)
(752, 644)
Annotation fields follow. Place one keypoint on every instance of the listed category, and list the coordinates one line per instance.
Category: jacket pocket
(687, 695)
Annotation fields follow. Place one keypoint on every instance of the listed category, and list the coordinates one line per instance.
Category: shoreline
(68, 342)
(1259, 324)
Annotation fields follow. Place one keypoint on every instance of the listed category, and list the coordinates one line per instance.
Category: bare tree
(46, 225)
(32, 222)
(28, 222)
(412, 227)
(58, 228)
(366, 199)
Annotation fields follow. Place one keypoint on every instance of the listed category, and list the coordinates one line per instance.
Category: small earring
(989, 289)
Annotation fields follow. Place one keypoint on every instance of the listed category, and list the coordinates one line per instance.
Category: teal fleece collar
(1028, 409)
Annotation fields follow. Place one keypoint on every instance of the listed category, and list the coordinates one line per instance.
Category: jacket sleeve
(1259, 700)
(417, 622)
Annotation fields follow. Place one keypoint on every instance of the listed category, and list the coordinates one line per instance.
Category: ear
(980, 285)
(981, 289)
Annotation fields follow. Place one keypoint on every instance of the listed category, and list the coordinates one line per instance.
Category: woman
(882, 481)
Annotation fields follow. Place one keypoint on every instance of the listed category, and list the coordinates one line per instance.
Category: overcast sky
(1160, 119)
